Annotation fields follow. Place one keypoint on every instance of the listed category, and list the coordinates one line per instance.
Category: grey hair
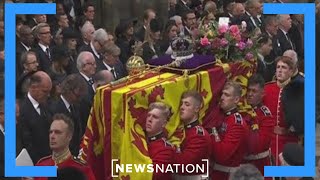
(293, 55)
(100, 35)
(81, 57)
(86, 26)
(176, 18)
(246, 172)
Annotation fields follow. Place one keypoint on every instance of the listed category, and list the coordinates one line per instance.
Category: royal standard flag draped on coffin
(115, 127)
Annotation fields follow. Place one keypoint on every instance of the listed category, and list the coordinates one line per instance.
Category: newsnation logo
(202, 168)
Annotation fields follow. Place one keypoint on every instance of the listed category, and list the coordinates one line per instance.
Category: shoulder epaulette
(45, 158)
(200, 130)
(79, 161)
(266, 111)
(238, 118)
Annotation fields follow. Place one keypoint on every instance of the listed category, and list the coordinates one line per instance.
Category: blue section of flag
(308, 9)
(11, 9)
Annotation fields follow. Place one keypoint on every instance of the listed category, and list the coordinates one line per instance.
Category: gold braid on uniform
(283, 84)
(59, 158)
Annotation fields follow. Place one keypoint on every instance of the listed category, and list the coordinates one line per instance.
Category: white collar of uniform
(94, 50)
(43, 47)
(66, 103)
(33, 101)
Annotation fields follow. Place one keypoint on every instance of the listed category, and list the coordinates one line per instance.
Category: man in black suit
(284, 40)
(24, 44)
(86, 65)
(190, 22)
(253, 11)
(111, 61)
(148, 15)
(73, 89)
(100, 37)
(35, 117)
(87, 31)
(43, 49)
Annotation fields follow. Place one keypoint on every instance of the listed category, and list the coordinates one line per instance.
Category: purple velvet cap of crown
(192, 63)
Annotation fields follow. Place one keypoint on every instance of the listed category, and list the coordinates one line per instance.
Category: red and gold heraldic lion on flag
(117, 120)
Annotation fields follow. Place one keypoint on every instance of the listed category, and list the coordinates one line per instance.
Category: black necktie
(43, 113)
(288, 38)
(48, 53)
(114, 73)
(90, 81)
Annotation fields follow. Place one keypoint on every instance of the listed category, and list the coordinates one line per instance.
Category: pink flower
(224, 42)
(249, 56)
(234, 30)
(237, 37)
(249, 43)
(216, 43)
(204, 41)
(223, 29)
(241, 45)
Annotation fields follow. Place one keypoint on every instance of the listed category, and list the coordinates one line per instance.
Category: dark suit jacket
(148, 53)
(18, 150)
(118, 69)
(85, 105)
(35, 130)
(58, 106)
(284, 42)
(20, 49)
(44, 61)
(181, 8)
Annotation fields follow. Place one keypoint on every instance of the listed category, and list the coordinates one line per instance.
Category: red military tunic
(195, 147)
(161, 152)
(67, 161)
(261, 130)
(231, 146)
(282, 134)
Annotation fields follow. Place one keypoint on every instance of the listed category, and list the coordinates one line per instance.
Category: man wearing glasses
(43, 49)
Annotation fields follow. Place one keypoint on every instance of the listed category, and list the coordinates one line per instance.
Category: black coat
(44, 61)
(293, 103)
(181, 8)
(85, 106)
(284, 42)
(35, 130)
(58, 106)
